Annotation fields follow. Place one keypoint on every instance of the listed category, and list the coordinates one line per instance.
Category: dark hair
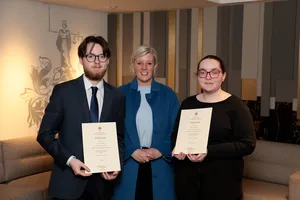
(95, 40)
(222, 66)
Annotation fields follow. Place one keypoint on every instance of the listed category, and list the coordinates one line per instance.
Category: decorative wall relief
(38, 96)
(64, 42)
(45, 76)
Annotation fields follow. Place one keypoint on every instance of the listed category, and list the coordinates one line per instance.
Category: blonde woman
(151, 109)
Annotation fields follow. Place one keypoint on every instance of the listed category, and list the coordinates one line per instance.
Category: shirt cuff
(69, 160)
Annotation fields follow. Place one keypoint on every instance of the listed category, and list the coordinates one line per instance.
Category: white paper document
(193, 131)
(100, 147)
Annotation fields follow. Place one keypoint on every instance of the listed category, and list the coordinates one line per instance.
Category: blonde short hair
(141, 51)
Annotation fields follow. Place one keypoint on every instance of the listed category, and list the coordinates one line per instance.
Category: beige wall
(29, 31)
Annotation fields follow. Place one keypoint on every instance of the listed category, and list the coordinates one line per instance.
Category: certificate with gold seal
(100, 147)
(193, 131)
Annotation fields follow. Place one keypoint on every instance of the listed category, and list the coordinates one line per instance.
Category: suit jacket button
(155, 131)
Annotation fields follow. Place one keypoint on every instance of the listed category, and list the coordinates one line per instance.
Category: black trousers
(95, 189)
(209, 181)
(144, 182)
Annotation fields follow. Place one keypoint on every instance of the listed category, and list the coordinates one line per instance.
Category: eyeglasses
(213, 74)
(92, 57)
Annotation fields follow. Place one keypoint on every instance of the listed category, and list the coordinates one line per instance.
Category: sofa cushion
(294, 186)
(24, 157)
(2, 178)
(259, 190)
(15, 193)
(38, 181)
(272, 162)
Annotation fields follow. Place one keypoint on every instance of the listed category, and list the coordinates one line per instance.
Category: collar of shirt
(88, 85)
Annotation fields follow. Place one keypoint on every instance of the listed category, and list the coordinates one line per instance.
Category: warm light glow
(32, 60)
(171, 49)
(15, 76)
(200, 40)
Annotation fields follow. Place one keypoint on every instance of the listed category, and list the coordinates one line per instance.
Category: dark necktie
(94, 110)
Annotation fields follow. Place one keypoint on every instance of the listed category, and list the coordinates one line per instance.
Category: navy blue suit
(66, 111)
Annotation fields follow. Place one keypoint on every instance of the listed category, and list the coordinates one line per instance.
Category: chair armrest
(294, 186)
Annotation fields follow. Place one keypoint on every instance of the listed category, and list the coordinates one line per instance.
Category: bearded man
(83, 100)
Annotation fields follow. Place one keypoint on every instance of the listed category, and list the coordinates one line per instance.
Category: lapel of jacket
(81, 94)
(107, 102)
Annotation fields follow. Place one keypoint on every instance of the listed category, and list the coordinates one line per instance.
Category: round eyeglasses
(213, 74)
(92, 57)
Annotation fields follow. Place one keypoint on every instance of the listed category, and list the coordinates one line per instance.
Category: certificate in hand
(193, 131)
(100, 147)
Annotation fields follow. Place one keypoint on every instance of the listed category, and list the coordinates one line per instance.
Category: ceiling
(134, 5)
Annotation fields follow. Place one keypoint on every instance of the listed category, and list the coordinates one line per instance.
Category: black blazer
(66, 111)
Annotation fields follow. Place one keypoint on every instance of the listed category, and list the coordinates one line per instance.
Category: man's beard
(94, 76)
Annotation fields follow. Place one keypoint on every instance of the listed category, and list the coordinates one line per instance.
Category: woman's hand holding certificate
(197, 157)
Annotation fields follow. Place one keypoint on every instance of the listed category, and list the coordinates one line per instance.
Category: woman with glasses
(218, 173)
(151, 109)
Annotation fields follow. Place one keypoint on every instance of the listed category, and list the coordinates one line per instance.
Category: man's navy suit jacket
(66, 111)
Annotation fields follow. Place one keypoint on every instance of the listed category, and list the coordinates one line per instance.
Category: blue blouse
(144, 123)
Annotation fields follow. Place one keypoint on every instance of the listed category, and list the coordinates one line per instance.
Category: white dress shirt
(100, 95)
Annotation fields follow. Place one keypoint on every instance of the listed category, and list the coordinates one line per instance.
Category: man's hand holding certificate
(193, 131)
(100, 147)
